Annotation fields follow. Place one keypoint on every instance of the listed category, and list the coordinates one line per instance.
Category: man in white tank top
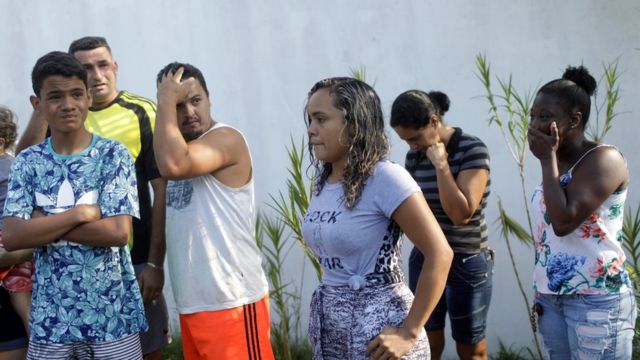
(215, 266)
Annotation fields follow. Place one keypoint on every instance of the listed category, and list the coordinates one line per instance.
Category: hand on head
(173, 88)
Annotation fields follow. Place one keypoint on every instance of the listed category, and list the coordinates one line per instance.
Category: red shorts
(17, 278)
(241, 333)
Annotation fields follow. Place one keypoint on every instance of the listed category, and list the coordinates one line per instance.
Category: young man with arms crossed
(72, 198)
(215, 266)
(129, 119)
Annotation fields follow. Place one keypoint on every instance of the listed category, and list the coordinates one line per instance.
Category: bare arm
(418, 223)
(108, 231)
(19, 233)
(459, 197)
(34, 133)
(157, 246)
(10, 258)
(593, 181)
(151, 279)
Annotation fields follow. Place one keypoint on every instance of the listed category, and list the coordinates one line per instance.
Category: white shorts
(126, 348)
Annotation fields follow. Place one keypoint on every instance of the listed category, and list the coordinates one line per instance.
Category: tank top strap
(569, 174)
(219, 125)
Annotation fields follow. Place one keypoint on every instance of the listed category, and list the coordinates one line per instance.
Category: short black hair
(190, 71)
(88, 43)
(56, 63)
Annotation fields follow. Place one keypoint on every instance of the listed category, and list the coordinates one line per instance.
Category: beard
(192, 135)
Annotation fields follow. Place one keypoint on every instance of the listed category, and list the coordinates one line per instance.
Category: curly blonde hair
(365, 125)
(8, 127)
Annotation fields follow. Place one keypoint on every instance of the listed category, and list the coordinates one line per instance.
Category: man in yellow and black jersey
(129, 119)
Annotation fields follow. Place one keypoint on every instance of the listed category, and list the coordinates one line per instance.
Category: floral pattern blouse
(590, 260)
(81, 293)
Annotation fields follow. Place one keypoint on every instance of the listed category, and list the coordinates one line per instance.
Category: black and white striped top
(465, 152)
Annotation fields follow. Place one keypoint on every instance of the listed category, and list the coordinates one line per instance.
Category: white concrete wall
(261, 57)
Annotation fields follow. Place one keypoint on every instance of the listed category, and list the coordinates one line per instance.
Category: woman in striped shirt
(452, 169)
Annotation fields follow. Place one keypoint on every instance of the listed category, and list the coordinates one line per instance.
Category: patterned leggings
(343, 321)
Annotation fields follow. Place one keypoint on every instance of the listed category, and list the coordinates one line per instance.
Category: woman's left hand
(392, 343)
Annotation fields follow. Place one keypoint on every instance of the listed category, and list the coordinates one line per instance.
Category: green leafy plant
(509, 353)
(173, 351)
(292, 205)
(289, 206)
(598, 128)
(285, 301)
(515, 107)
(360, 73)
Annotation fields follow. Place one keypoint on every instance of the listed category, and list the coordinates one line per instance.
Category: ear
(575, 120)
(35, 102)
(434, 120)
(115, 67)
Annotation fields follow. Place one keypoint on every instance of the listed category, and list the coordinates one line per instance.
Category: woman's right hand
(542, 145)
(392, 343)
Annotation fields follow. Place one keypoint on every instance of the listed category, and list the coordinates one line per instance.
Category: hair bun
(441, 100)
(580, 75)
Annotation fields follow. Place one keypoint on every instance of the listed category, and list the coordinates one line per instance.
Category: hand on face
(541, 144)
(437, 154)
(172, 88)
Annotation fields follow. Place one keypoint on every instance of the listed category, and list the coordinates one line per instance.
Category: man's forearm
(10, 258)
(35, 132)
(108, 231)
(19, 233)
(157, 245)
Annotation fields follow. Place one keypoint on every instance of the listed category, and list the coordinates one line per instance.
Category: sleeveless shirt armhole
(569, 173)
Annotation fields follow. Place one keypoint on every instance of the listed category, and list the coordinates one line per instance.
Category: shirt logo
(65, 199)
(179, 194)
(328, 217)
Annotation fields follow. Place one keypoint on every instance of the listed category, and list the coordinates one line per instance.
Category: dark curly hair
(8, 127)
(365, 125)
(574, 91)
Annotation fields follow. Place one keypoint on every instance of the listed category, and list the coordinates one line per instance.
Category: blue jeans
(466, 297)
(587, 326)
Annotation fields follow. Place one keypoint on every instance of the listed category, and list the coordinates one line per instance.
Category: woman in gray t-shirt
(361, 205)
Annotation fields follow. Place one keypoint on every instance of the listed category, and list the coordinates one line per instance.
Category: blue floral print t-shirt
(81, 293)
(590, 260)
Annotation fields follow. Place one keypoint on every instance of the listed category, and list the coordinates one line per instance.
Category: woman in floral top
(584, 300)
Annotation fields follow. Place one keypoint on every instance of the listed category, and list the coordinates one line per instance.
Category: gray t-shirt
(364, 241)
(5, 166)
